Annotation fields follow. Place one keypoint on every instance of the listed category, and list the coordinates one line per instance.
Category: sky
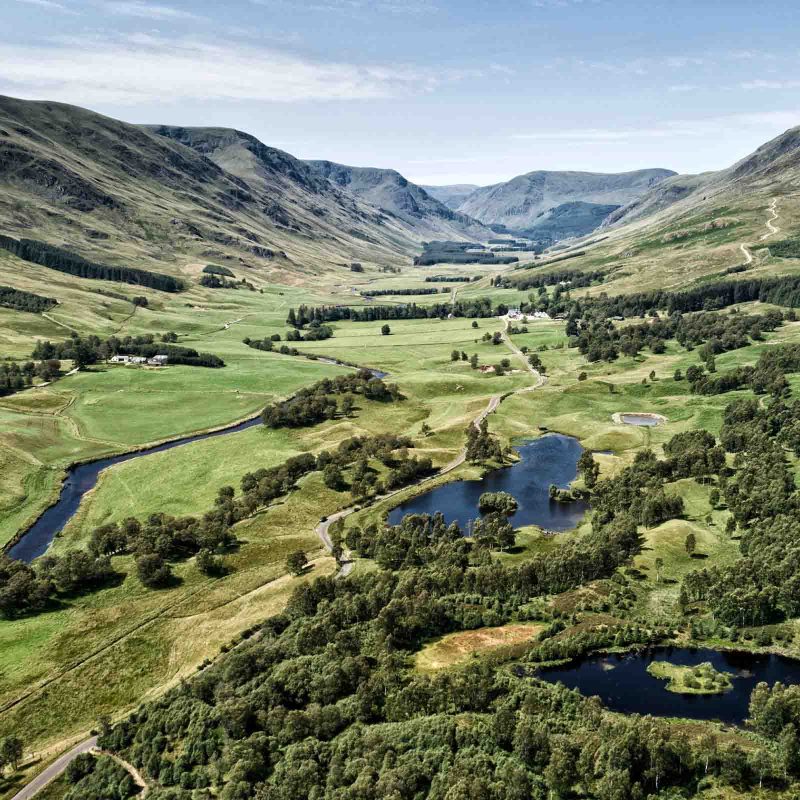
(444, 91)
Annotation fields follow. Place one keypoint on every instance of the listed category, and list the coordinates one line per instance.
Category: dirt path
(323, 529)
(771, 228)
(131, 770)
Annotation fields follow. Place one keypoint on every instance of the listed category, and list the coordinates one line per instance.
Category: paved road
(55, 769)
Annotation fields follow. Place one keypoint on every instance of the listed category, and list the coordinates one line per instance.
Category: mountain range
(164, 196)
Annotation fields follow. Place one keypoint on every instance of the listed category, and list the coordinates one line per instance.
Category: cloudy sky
(446, 91)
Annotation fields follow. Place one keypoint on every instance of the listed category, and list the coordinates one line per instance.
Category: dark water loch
(80, 479)
(551, 459)
(622, 683)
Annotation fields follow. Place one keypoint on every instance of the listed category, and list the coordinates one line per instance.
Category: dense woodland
(92, 349)
(456, 253)
(571, 278)
(46, 255)
(712, 332)
(25, 301)
(317, 403)
(714, 295)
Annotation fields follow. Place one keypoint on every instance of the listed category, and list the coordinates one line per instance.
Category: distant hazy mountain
(452, 196)
(519, 203)
(389, 191)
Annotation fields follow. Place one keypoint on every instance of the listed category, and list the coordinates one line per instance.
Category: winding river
(550, 459)
(82, 478)
(622, 682)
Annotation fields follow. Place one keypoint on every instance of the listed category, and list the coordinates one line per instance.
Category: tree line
(767, 376)
(451, 278)
(25, 301)
(412, 291)
(15, 377)
(479, 307)
(570, 278)
(88, 350)
(712, 332)
(47, 255)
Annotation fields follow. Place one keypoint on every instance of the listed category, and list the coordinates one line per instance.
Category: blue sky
(445, 91)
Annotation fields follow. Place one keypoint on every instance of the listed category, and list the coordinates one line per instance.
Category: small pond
(622, 682)
(551, 459)
(642, 420)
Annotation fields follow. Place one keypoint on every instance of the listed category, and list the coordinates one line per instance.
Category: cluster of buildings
(156, 361)
(515, 314)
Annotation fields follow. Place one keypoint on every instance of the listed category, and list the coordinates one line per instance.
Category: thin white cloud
(669, 129)
(142, 10)
(144, 69)
(562, 3)
(398, 7)
(51, 5)
(765, 84)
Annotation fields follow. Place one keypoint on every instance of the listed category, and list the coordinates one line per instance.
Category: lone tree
(589, 468)
(153, 571)
(690, 544)
(10, 752)
(297, 562)
(385, 330)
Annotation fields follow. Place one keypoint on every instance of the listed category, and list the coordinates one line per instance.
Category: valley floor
(103, 653)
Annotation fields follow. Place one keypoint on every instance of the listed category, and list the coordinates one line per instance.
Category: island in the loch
(700, 679)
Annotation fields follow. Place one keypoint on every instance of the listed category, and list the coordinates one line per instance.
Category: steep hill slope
(160, 198)
(694, 228)
(393, 194)
(518, 203)
(453, 195)
(776, 162)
